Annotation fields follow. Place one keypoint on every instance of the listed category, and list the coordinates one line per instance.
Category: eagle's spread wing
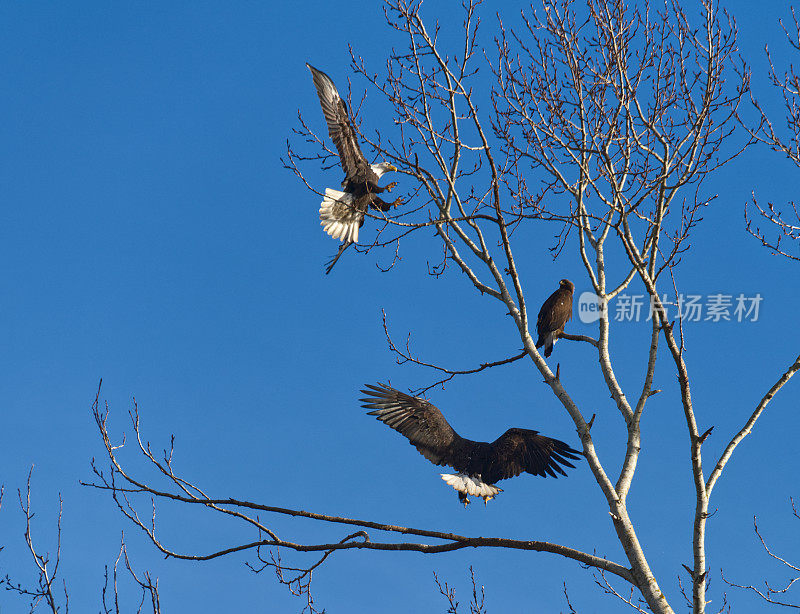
(515, 451)
(339, 126)
(519, 450)
(421, 422)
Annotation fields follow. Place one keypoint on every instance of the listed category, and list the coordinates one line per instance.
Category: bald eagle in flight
(341, 213)
(479, 464)
(554, 315)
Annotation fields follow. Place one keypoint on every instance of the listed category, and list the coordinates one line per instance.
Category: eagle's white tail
(337, 216)
(471, 485)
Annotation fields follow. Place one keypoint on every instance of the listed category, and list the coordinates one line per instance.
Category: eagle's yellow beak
(391, 167)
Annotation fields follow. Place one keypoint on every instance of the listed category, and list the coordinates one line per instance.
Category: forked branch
(126, 490)
(768, 593)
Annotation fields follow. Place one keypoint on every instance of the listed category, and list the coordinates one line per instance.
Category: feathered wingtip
(560, 456)
(336, 216)
(563, 453)
(321, 80)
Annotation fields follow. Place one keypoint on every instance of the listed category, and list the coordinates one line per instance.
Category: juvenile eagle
(341, 213)
(479, 464)
(554, 315)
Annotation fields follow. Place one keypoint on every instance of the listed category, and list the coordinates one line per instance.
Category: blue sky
(149, 236)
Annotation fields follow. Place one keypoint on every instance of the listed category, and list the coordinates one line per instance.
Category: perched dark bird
(554, 315)
(479, 464)
(341, 213)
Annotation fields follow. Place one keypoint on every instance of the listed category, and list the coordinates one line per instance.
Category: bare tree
(782, 223)
(477, 600)
(603, 120)
(769, 593)
(47, 590)
(47, 587)
(147, 585)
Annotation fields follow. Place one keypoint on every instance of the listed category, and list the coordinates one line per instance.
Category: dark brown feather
(514, 452)
(554, 315)
(340, 128)
(419, 421)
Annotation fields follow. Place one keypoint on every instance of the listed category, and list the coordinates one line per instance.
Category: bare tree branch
(44, 591)
(404, 356)
(123, 486)
(782, 223)
(768, 593)
(477, 601)
(145, 582)
(747, 428)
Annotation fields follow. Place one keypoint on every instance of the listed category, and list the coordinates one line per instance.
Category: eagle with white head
(342, 212)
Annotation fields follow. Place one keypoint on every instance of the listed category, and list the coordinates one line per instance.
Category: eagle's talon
(391, 186)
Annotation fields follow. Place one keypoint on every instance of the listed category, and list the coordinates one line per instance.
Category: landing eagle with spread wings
(342, 212)
(554, 315)
(479, 464)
